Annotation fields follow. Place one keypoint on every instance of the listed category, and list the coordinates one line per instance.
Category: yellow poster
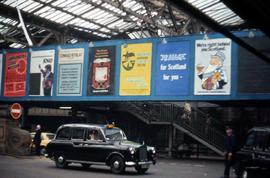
(135, 73)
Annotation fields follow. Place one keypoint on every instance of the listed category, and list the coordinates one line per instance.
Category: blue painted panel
(172, 74)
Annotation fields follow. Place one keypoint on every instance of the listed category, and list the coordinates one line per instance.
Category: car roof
(84, 125)
(261, 129)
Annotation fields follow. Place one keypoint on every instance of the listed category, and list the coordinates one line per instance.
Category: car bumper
(145, 163)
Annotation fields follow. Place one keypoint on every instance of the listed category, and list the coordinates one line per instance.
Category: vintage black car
(253, 159)
(99, 145)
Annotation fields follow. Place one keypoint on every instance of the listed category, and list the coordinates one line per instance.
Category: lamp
(164, 41)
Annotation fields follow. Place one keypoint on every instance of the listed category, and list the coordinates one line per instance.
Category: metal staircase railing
(198, 125)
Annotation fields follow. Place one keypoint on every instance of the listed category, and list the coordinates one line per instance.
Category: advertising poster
(1, 70)
(15, 74)
(41, 73)
(70, 72)
(135, 73)
(212, 67)
(101, 71)
(172, 68)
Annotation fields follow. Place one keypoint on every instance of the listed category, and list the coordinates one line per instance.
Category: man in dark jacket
(230, 151)
(37, 139)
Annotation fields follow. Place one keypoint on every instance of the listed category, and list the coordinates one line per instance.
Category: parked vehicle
(46, 137)
(100, 145)
(254, 155)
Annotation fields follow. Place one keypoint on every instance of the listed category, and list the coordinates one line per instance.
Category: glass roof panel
(215, 9)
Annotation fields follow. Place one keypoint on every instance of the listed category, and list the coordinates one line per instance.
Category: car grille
(142, 154)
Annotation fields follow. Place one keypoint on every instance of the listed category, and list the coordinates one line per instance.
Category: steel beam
(194, 12)
(10, 12)
(142, 17)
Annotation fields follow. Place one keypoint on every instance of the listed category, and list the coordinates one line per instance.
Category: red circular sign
(16, 111)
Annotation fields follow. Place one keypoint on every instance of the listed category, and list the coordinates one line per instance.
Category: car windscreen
(114, 134)
(50, 136)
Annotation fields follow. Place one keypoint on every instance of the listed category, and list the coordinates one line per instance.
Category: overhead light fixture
(91, 44)
(251, 34)
(205, 36)
(164, 41)
(125, 45)
(65, 107)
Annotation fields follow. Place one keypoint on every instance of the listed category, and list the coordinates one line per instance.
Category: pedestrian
(37, 139)
(230, 151)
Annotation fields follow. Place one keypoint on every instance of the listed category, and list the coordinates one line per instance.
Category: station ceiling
(71, 21)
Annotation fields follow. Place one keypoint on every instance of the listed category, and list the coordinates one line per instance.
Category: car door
(77, 140)
(246, 154)
(94, 150)
(262, 150)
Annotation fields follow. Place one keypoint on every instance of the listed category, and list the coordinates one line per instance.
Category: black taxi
(99, 145)
(253, 158)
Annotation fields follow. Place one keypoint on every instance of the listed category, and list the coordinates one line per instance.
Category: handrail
(211, 133)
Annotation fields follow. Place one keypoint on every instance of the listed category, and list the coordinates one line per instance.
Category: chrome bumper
(132, 163)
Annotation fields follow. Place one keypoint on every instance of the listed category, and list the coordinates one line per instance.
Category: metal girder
(254, 12)
(188, 8)
(45, 39)
(142, 17)
(10, 12)
(172, 16)
(12, 40)
(80, 17)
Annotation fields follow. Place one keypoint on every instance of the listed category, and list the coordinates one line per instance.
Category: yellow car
(46, 137)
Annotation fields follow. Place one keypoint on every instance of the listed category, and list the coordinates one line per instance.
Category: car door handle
(78, 144)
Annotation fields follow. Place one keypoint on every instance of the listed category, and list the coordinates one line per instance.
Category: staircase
(199, 125)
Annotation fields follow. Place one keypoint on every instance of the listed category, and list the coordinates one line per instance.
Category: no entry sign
(16, 111)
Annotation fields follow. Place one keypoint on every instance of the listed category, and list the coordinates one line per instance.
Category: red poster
(15, 74)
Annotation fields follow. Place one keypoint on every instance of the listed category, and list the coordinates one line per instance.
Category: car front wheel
(117, 164)
(60, 161)
(140, 169)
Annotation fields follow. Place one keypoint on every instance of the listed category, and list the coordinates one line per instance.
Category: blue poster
(172, 68)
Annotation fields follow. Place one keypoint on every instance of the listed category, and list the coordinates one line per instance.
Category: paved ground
(40, 167)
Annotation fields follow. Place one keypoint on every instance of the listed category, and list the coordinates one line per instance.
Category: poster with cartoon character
(212, 67)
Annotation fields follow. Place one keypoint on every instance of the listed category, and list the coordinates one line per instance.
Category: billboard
(101, 71)
(15, 74)
(41, 72)
(212, 67)
(172, 68)
(70, 72)
(135, 71)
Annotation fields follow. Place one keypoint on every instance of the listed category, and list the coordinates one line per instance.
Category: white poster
(212, 67)
(1, 67)
(41, 73)
(70, 72)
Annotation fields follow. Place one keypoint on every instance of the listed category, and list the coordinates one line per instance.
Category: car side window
(64, 134)
(78, 133)
(250, 140)
(261, 140)
(94, 134)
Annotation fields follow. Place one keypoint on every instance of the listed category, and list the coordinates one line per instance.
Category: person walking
(230, 151)
(37, 139)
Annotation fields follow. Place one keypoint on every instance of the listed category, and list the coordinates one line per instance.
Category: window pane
(64, 134)
(77, 133)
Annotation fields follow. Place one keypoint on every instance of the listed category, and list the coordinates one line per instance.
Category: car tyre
(117, 164)
(141, 170)
(85, 166)
(60, 161)
(42, 151)
(244, 174)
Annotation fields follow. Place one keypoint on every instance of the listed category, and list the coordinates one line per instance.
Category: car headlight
(131, 150)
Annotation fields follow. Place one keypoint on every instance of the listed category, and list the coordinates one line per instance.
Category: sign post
(16, 111)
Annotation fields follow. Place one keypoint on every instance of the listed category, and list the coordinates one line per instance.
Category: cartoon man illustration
(213, 77)
(47, 79)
